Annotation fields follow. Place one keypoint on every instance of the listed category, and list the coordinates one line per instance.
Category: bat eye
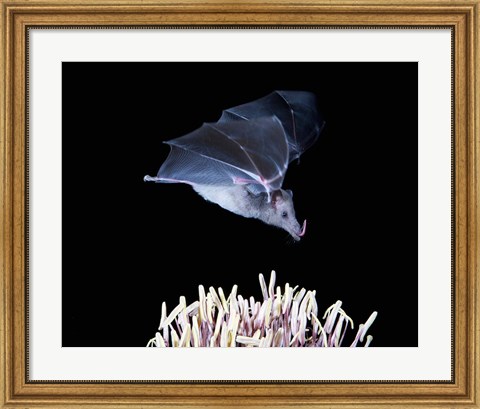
(284, 215)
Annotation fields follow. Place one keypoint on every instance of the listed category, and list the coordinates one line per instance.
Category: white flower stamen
(280, 320)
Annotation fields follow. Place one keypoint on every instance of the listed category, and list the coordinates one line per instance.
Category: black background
(129, 245)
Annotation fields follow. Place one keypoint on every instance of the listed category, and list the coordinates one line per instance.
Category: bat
(240, 161)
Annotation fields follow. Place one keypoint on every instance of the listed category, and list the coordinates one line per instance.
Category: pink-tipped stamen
(304, 228)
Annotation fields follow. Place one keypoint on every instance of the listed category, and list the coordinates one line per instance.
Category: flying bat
(240, 161)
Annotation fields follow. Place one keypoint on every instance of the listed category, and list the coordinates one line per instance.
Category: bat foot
(149, 179)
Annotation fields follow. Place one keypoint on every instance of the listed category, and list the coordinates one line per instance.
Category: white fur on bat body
(278, 211)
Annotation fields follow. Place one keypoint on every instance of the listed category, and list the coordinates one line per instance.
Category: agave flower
(283, 319)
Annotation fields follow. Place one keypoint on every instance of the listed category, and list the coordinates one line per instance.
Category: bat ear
(289, 192)
(277, 198)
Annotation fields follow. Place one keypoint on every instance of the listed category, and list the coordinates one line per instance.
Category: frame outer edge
(472, 96)
(474, 103)
(6, 205)
(3, 208)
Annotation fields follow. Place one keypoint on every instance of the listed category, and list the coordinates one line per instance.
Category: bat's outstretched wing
(251, 144)
(253, 153)
(296, 110)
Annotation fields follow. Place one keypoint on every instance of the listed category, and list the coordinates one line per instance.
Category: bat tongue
(304, 228)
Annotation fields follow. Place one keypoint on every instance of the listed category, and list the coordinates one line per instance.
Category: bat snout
(297, 233)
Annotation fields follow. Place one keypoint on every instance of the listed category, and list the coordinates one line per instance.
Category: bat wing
(253, 153)
(296, 110)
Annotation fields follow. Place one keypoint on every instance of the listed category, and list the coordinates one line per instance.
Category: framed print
(239, 205)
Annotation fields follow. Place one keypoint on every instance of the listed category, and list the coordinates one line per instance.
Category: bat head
(281, 213)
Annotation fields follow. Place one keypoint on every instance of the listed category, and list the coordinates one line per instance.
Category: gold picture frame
(18, 15)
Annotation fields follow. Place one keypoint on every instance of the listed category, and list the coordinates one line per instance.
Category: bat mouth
(304, 229)
(301, 233)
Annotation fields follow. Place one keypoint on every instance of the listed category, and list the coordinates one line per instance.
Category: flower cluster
(288, 319)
